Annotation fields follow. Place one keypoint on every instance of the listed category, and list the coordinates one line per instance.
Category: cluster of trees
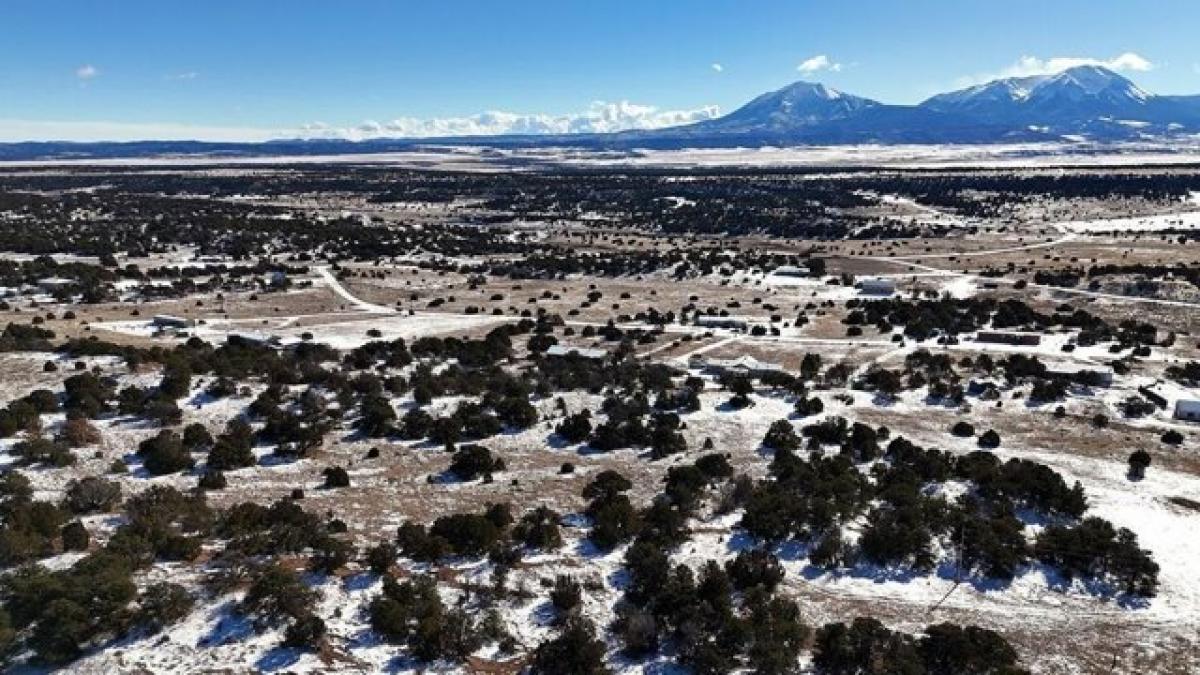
(411, 612)
(140, 216)
(29, 528)
(867, 646)
(58, 614)
(813, 499)
(1188, 373)
(947, 316)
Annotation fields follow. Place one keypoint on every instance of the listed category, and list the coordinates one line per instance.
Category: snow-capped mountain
(1085, 102)
(1077, 99)
(1088, 101)
(798, 105)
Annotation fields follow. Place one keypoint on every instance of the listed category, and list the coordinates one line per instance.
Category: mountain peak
(802, 88)
(787, 110)
(1093, 80)
(1081, 92)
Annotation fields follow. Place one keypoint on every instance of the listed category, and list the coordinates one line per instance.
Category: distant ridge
(1081, 103)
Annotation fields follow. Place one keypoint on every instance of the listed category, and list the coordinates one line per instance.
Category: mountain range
(1088, 102)
(1082, 103)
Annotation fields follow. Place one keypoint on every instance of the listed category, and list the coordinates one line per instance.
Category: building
(1094, 376)
(722, 322)
(877, 286)
(1003, 338)
(52, 284)
(1187, 410)
(256, 339)
(168, 321)
(790, 271)
(742, 365)
(590, 354)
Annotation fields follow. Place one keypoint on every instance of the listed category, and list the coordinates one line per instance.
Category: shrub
(92, 495)
(336, 477)
(306, 632)
(948, 649)
(412, 612)
(472, 461)
(163, 604)
(75, 536)
(575, 428)
(566, 595)
(164, 453)
(575, 651)
(539, 529)
(43, 451)
(78, 432)
(963, 429)
(864, 646)
(1094, 549)
(276, 592)
(196, 437)
(989, 439)
(754, 568)
(1139, 461)
(806, 407)
(380, 558)
(213, 480)
(230, 452)
(467, 533)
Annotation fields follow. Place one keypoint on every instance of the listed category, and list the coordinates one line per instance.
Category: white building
(742, 365)
(564, 350)
(790, 271)
(1187, 409)
(52, 284)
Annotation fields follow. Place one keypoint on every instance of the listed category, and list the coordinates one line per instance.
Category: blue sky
(249, 69)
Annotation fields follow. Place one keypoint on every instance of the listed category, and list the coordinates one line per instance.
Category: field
(397, 344)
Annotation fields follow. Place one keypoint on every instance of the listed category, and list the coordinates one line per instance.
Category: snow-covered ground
(1189, 220)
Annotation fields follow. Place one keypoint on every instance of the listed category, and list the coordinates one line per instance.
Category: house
(722, 322)
(1004, 338)
(169, 321)
(590, 354)
(1187, 410)
(742, 365)
(877, 286)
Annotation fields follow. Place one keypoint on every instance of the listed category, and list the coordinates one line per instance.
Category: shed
(1188, 410)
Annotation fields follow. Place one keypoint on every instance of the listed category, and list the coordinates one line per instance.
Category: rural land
(489, 411)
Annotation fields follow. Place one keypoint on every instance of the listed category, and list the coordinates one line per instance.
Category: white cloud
(718, 67)
(818, 63)
(600, 117)
(86, 71)
(188, 75)
(43, 130)
(1029, 66)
